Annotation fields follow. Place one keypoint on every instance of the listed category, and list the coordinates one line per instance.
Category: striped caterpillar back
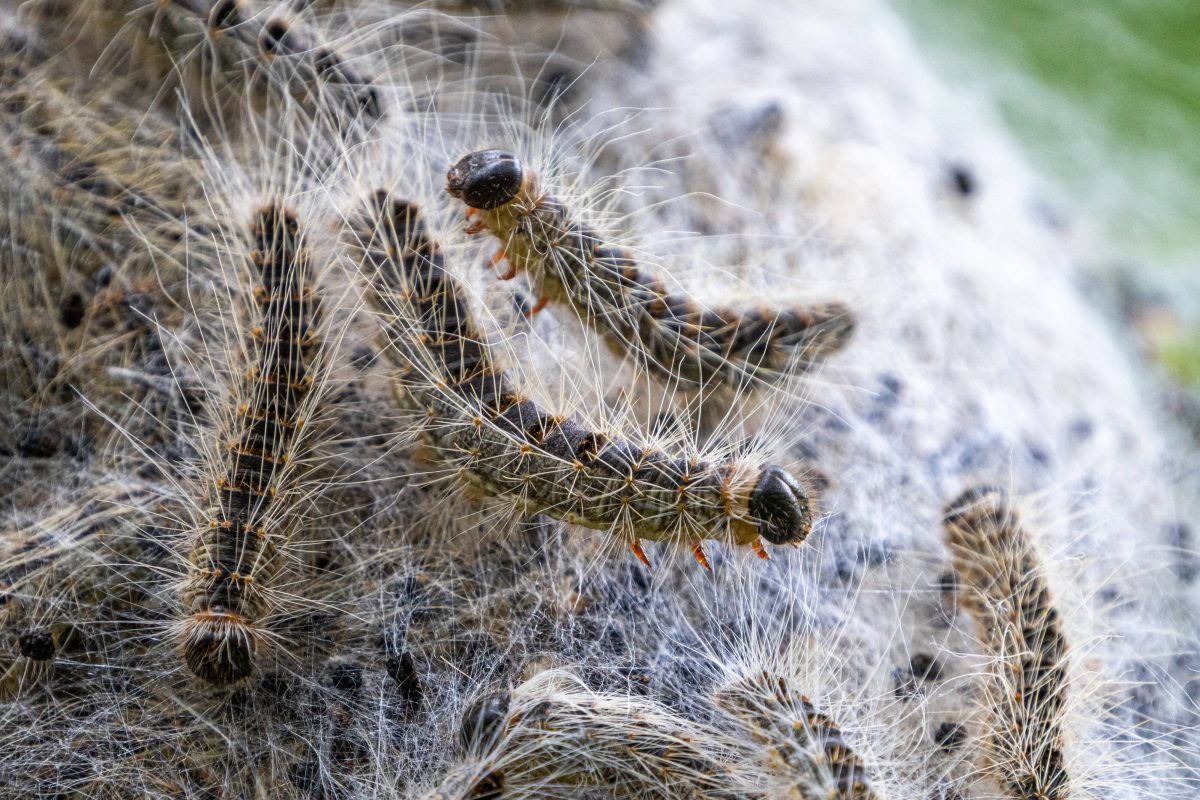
(315, 64)
(234, 559)
(255, 48)
(1004, 587)
(805, 748)
(679, 341)
(506, 446)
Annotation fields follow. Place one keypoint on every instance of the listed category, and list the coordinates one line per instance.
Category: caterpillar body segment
(1005, 589)
(806, 752)
(506, 446)
(235, 557)
(240, 48)
(681, 342)
(553, 737)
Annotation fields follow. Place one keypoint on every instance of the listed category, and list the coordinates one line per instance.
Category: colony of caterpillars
(75, 212)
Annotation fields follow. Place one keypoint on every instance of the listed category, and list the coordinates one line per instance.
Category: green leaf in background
(1105, 94)
(1181, 359)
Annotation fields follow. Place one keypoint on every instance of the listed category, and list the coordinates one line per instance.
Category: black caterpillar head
(485, 179)
(780, 507)
(484, 721)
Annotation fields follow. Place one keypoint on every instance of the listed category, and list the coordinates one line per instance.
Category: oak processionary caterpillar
(233, 560)
(679, 341)
(805, 749)
(318, 65)
(506, 446)
(132, 146)
(238, 33)
(68, 166)
(1005, 589)
(554, 737)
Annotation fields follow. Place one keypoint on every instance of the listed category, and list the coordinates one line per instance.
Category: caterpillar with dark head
(506, 446)
(1005, 589)
(804, 748)
(681, 342)
(234, 558)
(234, 50)
(554, 737)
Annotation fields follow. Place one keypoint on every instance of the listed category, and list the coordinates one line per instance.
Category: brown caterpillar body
(508, 447)
(86, 185)
(233, 560)
(235, 36)
(805, 748)
(681, 342)
(552, 737)
(1002, 581)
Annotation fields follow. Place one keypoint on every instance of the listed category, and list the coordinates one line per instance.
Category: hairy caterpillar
(245, 41)
(474, 610)
(53, 566)
(505, 445)
(997, 568)
(95, 202)
(233, 560)
(553, 737)
(804, 748)
(68, 170)
(93, 198)
(679, 341)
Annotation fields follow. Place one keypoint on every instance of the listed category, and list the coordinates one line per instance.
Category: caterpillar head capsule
(780, 507)
(486, 179)
(219, 646)
(484, 720)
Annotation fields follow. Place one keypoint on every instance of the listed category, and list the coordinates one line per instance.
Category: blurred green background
(1105, 97)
